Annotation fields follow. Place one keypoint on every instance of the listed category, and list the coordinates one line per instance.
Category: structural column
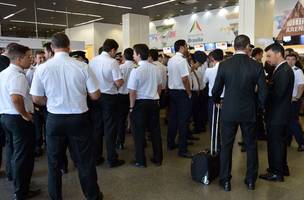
(135, 29)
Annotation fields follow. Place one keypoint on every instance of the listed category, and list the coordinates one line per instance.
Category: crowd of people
(60, 100)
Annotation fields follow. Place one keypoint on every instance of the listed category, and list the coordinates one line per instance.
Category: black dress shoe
(285, 171)
(193, 138)
(64, 171)
(226, 186)
(156, 162)
(272, 177)
(301, 148)
(185, 155)
(250, 185)
(116, 163)
(139, 165)
(32, 193)
(172, 147)
(120, 146)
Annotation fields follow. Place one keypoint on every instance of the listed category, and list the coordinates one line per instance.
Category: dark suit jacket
(280, 88)
(240, 75)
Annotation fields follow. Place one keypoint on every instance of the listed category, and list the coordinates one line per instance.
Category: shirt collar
(104, 53)
(179, 54)
(279, 65)
(61, 54)
(142, 62)
(19, 69)
(216, 64)
(240, 52)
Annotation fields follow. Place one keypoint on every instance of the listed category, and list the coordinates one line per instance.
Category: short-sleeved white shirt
(106, 70)
(13, 81)
(163, 70)
(145, 79)
(299, 79)
(178, 67)
(65, 82)
(210, 76)
(126, 69)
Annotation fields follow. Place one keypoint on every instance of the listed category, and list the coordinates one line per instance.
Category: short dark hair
(178, 44)
(292, 54)
(100, 50)
(217, 54)
(109, 44)
(241, 42)
(60, 40)
(276, 47)
(128, 53)
(48, 47)
(256, 51)
(290, 50)
(142, 50)
(15, 51)
(38, 52)
(154, 54)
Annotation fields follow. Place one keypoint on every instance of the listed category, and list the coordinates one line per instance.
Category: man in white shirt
(145, 85)
(180, 99)
(39, 111)
(110, 79)
(294, 124)
(216, 56)
(198, 103)
(123, 97)
(63, 83)
(16, 109)
(163, 69)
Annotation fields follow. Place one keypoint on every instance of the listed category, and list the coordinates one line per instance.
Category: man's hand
(28, 117)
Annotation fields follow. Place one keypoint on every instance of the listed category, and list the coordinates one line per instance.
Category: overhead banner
(289, 18)
(220, 25)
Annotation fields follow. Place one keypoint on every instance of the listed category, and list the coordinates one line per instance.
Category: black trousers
(180, 113)
(123, 111)
(228, 132)
(204, 107)
(77, 130)
(2, 142)
(108, 105)
(39, 122)
(20, 145)
(196, 111)
(97, 124)
(146, 114)
(277, 147)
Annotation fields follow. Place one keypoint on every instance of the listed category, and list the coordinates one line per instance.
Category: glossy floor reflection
(172, 180)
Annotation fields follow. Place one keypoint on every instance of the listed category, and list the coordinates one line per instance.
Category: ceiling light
(104, 4)
(13, 14)
(41, 23)
(65, 12)
(158, 4)
(88, 22)
(210, 4)
(8, 4)
(194, 7)
(181, 11)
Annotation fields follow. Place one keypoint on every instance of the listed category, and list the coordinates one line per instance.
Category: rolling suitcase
(205, 165)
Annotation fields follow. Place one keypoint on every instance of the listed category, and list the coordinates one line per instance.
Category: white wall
(104, 31)
(82, 33)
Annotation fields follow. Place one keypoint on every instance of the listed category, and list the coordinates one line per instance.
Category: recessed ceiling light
(105, 4)
(194, 7)
(157, 15)
(181, 11)
(15, 13)
(210, 4)
(176, 4)
(10, 28)
(158, 4)
(8, 4)
(88, 22)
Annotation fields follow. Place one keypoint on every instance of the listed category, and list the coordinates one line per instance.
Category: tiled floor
(172, 180)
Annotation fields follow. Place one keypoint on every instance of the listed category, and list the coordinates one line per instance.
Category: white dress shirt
(126, 69)
(13, 81)
(65, 82)
(178, 67)
(163, 70)
(106, 70)
(145, 79)
(30, 74)
(299, 80)
(210, 76)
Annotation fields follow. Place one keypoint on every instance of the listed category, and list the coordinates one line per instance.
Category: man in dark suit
(278, 110)
(239, 75)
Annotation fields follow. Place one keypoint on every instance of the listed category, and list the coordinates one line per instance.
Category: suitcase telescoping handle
(213, 148)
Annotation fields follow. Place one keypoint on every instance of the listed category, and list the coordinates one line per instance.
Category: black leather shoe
(155, 162)
(193, 138)
(301, 148)
(185, 155)
(139, 165)
(250, 185)
(32, 193)
(285, 171)
(226, 186)
(116, 163)
(272, 177)
(172, 147)
(64, 171)
(120, 146)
